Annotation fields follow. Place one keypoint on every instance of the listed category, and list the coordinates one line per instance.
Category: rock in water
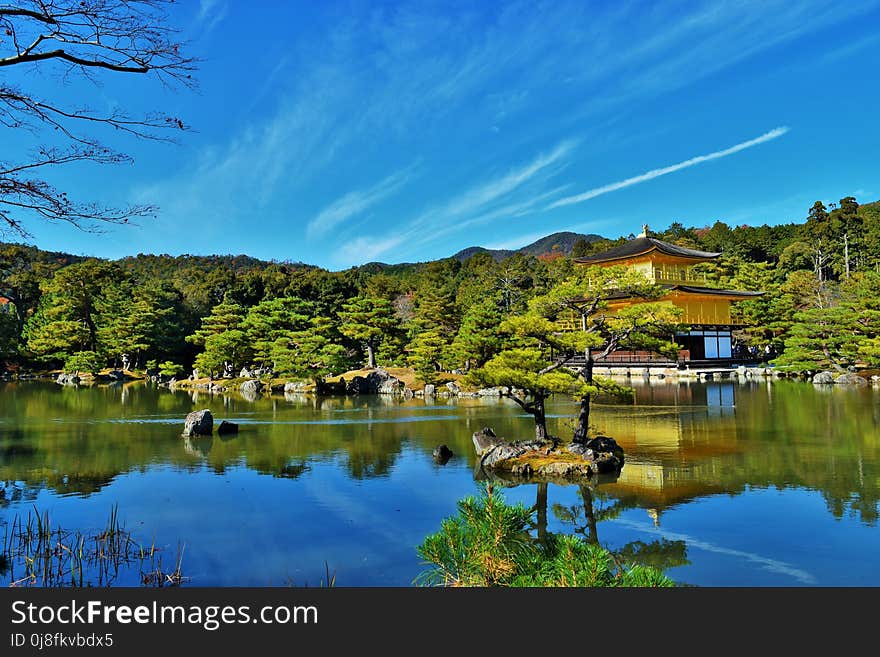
(199, 423)
(252, 386)
(227, 427)
(824, 377)
(442, 454)
(851, 379)
(605, 444)
(429, 390)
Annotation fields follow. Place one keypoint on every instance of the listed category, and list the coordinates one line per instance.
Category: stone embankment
(740, 373)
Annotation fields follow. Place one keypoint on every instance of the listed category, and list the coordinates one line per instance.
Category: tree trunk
(541, 509)
(846, 252)
(587, 494)
(371, 357)
(540, 419)
(583, 421)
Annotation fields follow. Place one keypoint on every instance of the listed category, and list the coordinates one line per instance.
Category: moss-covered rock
(545, 460)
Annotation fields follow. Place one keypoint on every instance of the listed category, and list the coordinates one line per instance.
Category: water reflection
(687, 440)
(596, 507)
(683, 440)
(359, 471)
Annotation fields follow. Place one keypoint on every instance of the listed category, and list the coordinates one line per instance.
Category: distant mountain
(562, 242)
(497, 254)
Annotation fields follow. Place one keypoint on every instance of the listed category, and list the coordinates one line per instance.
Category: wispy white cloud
(354, 203)
(663, 171)
(477, 204)
(211, 12)
(767, 563)
(366, 249)
(478, 197)
(367, 88)
(509, 211)
(517, 242)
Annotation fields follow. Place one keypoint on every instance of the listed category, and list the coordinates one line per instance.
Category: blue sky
(342, 133)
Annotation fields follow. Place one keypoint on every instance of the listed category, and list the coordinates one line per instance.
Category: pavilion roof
(642, 245)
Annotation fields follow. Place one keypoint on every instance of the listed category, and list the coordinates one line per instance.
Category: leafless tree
(83, 40)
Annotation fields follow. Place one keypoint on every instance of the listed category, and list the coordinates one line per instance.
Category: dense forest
(222, 313)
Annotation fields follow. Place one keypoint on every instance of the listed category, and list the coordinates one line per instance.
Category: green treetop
(312, 352)
(647, 324)
(269, 321)
(834, 326)
(223, 317)
(223, 338)
(478, 337)
(367, 320)
(68, 317)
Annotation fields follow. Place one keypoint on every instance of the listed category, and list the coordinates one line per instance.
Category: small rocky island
(546, 459)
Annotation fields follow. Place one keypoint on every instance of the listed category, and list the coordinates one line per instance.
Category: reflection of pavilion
(673, 437)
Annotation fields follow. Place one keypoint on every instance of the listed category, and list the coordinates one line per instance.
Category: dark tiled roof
(642, 245)
(691, 289)
(711, 290)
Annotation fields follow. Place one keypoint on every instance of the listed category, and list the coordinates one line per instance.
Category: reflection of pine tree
(584, 519)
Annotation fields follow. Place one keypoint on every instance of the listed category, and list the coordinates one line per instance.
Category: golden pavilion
(706, 311)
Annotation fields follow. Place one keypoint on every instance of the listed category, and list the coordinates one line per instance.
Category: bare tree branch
(79, 40)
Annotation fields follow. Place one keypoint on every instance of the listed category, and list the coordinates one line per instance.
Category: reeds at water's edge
(36, 553)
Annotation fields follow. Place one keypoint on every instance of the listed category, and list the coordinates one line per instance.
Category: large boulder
(67, 379)
(252, 387)
(294, 386)
(377, 382)
(429, 390)
(851, 379)
(541, 458)
(489, 392)
(492, 450)
(453, 388)
(390, 386)
(484, 439)
(442, 454)
(602, 452)
(382, 383)
(199, 423)
(359, 385)
(823, 377)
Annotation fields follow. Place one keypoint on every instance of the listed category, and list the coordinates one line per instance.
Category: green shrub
(169, 369)
(83, 361)
(488, 544)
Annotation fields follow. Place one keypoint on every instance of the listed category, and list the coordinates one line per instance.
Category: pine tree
(223, 338)
(426, 353)
(271, 320)
(313, 352)
(478, 337)
(367, 320)
(68, 316)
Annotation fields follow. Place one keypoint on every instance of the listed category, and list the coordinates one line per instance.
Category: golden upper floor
(660, 262)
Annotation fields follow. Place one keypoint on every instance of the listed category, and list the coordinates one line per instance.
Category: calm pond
(728, 484)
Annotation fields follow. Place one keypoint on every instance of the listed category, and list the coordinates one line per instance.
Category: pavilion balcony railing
(673, 276)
